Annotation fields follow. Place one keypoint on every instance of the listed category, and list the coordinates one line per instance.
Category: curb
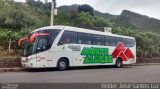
(19, 69)
(144, 64)
(16, 69)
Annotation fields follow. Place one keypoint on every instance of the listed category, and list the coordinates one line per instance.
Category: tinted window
(52, 35)
(119, 39)
(43, 44)
(84, 38)
(130, 42)
(68, 37)
(110, 41)
(127, 42)
(97, 40)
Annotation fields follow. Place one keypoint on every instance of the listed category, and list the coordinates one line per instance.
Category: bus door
(67, 45)
(76, 54)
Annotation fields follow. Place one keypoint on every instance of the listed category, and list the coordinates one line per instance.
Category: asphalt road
(131, 74)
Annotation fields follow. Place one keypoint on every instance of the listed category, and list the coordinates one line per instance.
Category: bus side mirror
(22, 39)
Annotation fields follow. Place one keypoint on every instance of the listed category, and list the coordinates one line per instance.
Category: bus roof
(76, 29)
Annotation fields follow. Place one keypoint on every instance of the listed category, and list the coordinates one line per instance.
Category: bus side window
(84, 38)
(68, 37)
(130, 42)
(118, 39)
(124, 40)
(97, 40)
(52, 35)
(110, 41)
(127, 43)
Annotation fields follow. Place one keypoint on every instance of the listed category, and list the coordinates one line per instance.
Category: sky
(145, 7)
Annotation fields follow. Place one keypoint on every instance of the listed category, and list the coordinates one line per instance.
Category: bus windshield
(28, 49)
(40, 41)
(40, 44)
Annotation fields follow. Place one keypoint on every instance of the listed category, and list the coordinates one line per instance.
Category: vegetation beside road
(18, 19)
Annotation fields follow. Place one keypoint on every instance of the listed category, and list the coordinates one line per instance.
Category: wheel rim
(118, 63)
(62, 64)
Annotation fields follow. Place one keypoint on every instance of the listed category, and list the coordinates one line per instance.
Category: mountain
(125, 19)
(68, 9)
(104, 15)
(74, 8)
(142, 22)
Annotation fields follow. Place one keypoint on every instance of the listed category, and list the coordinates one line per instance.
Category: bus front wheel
(62, 64)
(118, 63)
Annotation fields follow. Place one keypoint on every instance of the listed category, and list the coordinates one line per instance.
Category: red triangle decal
(128, 53)
(119, 48)
(123, 56)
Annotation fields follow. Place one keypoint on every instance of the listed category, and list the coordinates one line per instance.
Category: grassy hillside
(21, 15)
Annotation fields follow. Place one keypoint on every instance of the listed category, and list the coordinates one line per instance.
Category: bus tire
(118, 63)
(62, 64)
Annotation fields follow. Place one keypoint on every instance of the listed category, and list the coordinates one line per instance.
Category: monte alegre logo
(96, 55)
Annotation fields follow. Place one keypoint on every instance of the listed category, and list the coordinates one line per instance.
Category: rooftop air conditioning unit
(108, 29)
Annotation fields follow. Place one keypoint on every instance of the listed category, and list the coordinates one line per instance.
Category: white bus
(65, 46)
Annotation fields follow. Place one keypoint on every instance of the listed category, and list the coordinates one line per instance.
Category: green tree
(83, 20)
(86, 8)
(100, 22)
(62, 19)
